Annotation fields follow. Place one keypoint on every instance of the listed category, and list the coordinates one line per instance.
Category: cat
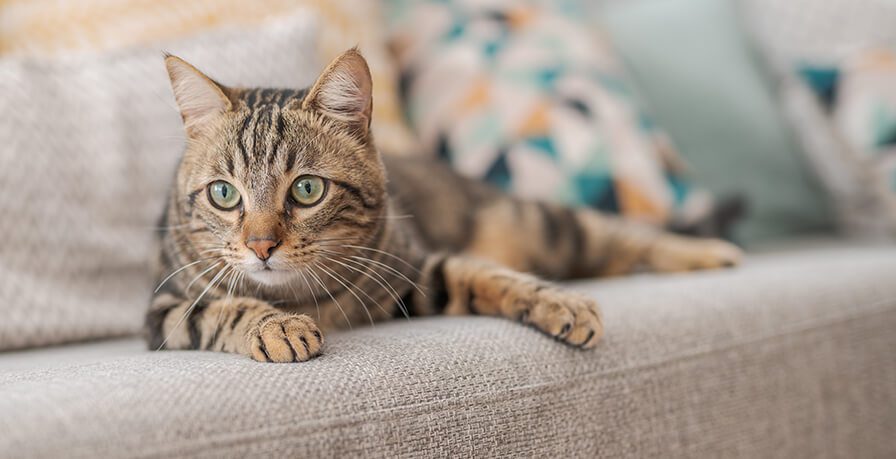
(285, 221)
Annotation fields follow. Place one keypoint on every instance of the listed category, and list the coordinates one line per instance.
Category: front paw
(284, 338)
(567, 316)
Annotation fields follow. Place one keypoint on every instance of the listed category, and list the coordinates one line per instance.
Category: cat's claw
(567, 316)
(285, 338)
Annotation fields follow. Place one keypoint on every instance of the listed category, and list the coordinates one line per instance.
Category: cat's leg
(561, 242)
(244, 326)
(459, 284)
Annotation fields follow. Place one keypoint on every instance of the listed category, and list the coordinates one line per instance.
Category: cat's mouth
(271, 276)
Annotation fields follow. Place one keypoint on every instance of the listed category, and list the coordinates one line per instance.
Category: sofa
(789, 355)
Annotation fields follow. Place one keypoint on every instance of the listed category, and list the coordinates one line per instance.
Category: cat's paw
(285, 338)
(677, 254)
(567, 316)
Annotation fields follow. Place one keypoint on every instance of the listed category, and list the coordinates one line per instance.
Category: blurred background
(757, 120)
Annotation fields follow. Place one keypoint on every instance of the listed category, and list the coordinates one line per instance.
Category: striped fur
(391, 237)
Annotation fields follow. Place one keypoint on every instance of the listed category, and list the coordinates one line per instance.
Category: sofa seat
(791, 355)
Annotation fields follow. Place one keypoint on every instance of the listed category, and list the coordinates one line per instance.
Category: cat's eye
(223, 195)
(308, 190)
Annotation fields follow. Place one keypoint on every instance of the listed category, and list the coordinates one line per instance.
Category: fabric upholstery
(90, 144)
(693, 64)
(788, 356)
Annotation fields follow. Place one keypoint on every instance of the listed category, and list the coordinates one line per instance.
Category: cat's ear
(344, 92)
(199, 98)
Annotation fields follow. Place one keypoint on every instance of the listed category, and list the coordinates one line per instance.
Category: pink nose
(263, 247)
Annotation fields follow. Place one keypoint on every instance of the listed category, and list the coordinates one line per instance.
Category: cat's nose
(262, 246)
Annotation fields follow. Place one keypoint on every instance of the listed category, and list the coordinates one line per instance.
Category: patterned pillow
(861, 98)
(47, 28)
(525, 96)
(835, 72)
(89, 148)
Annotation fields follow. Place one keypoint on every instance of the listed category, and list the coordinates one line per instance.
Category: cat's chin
(272, 277)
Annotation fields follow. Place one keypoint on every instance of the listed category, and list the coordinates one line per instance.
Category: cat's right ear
(199, 98)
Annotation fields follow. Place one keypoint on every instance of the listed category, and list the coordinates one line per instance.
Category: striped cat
(285, 221)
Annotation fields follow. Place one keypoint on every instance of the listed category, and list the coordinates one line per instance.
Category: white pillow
(88, 148)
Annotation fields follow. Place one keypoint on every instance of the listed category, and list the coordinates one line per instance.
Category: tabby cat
(285, 221)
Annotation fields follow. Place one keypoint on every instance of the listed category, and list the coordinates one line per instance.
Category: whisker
(310, 290)
(393, 270)
(320, 282)
(337, 277)
(396, 257)
(390, 290)
(190, 309)
(232, 276)
(198, 276)
(393, 293)
(179, 270)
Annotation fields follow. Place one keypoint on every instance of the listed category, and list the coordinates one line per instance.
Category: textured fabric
(51, 28)
(789, 356)
(89, 147)
(826, 49)
(525, 96)
(691, 62)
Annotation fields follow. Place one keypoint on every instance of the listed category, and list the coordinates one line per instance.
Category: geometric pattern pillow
(527, 97)
(832, 61)
(862, 99)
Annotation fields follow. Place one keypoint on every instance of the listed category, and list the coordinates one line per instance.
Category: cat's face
(273, 183)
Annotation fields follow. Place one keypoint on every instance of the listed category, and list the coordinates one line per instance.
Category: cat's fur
(391, 237)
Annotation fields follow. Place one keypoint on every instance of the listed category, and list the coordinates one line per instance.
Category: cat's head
(274, 181)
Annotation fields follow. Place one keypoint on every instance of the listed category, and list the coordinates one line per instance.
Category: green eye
(223, 195)
(308, 190)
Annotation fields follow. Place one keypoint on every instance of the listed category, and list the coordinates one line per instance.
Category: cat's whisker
(388, 254)
(390, 290)
(231, 278)
(392, 270)
(295, 294)
(199, 276)
(167, 278)
(372, 269)
(335, 239)
(317, 278)
(310, 290)
(355, 286)
(192, 306)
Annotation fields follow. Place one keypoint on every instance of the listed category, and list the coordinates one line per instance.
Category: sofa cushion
(788, 356)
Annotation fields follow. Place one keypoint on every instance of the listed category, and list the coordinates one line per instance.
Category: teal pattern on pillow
(525, 95)
(861, 104)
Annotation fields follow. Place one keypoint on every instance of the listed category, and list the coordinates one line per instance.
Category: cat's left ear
(344, 92)
(199, 98)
